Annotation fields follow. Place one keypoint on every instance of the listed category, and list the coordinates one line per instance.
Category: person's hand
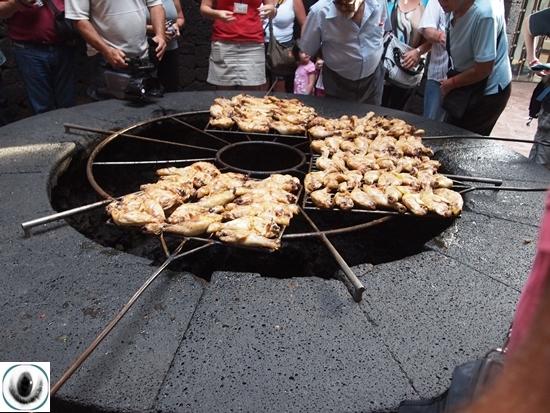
(411, 59)
(116, 58)
(319, 64)
(447, 85)
(172, 32)
(161, 46)
(226, 16)
(442, 38)
(540, 73)
(267, 11)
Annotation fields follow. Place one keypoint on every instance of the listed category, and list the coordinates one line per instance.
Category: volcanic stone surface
(243, 341)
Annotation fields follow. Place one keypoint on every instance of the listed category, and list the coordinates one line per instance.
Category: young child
(304, 78)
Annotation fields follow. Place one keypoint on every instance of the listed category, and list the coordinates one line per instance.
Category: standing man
(538, 24)
(45, 62)
(432, 26)
(117, 28)
(350, 35)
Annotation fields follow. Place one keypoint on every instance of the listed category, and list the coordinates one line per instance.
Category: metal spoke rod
(89, 350)
(338, 230)
(167, 161)
(357, 287)
(497, 182)
(60, 215)
(200, 130)
(505, 188)
(69, 126)
(480, 137)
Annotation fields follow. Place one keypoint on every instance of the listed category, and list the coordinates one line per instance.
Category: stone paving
(512, 122)
(247, 342)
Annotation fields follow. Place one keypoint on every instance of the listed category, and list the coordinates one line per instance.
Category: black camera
(137, 82)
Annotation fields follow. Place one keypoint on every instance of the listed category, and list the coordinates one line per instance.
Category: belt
(34, 45)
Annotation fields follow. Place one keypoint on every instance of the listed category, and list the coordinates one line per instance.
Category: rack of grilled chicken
(261, 115)
(199, 200)
(373, 163)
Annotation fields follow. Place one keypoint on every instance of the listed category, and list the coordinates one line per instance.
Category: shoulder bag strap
(55, 11)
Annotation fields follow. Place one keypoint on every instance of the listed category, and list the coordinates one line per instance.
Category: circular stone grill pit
(251, 341)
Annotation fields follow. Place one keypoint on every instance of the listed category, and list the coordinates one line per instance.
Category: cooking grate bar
(352, 282)
(480, 137)
(69, 126)
(61, 215)
(177, 254)
(160, 162)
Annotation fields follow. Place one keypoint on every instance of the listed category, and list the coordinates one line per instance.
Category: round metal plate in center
(260, 158)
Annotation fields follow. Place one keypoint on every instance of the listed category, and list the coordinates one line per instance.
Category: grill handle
(350, 279)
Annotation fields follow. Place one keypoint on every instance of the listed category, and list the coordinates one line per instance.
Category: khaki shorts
(236, 64)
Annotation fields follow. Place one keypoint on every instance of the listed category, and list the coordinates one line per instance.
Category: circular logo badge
(25, 387)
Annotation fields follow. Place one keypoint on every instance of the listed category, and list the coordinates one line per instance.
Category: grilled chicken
(414, 203)
(322, 198)
(314, 181)
(223, 182)
(436, 204)
(136, 210)
(343, 200)
(454, 199)
(279, 213)
(362, 199)
(256, 225)
(248, 239)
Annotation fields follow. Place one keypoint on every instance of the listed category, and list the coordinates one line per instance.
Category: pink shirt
(531, 294)
(301, 78)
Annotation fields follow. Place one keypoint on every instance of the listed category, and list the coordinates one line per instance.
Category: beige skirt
(236, 64)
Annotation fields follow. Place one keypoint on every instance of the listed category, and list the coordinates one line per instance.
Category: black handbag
(64, 28)
(467, 383)
(458, 100)
(279, 59)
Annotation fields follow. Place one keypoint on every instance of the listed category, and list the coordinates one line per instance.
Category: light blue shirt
(473, 38)
(351, 50)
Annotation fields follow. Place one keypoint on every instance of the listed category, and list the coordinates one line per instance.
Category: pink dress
(301, 78)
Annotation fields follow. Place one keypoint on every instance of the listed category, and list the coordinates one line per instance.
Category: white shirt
(283, 23)
(121, 23)
(480, 36)
(434, 17)
(353, 51)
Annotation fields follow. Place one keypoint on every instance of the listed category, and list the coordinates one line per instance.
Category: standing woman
(168, 67)
(479, 52)
(405, 17)
(288, 12)
(237, 57)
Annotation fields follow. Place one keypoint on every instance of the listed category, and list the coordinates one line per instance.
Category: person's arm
(268, 9)
(434, 36)
(300, 12)
(10, 7)
(310, 83)
(485, 44)
(180, 20)
(529, 42)
(534, 26)
(158, 21)
(470, 76)
(412, 57)
(310, 41)
(207, 10)
(115, 57)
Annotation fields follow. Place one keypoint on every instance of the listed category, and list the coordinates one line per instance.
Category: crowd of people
(338, 48)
